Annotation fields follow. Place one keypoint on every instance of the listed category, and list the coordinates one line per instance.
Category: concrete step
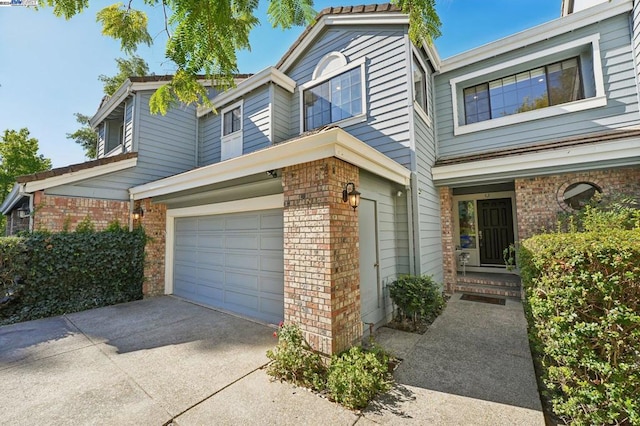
(494, 290)
(512, 281)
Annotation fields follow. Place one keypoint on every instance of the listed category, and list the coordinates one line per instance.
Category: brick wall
(321, 255)
(53, 213)
(540, 199)
(448, 246)
(154, 222)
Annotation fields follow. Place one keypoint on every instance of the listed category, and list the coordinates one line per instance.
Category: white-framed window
(559, 80)
(336, 95)
(231, 138)
(420, 87)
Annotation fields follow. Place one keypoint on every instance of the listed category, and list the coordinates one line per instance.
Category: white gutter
(333, 142)
(601, 155)
(12, 199)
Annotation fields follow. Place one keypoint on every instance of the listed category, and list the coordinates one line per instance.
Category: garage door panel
(211, 240)
(242, 261)
(242, 222)
(272, 242)
(241, 280)
(271, 221)
(246, 242)
(207, 258)
(211, 223)
(233, 261)
(271, 264)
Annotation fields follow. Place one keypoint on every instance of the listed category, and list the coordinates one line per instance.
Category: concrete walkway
(165, 361)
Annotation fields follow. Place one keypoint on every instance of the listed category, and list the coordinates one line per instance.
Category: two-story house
(359, 157)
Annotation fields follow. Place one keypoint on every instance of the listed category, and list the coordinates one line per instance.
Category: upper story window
(537, 88)
(231, 141)
(419, 84)
(336, 94)
(559, 80)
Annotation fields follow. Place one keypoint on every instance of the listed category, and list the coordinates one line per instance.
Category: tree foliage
(85, 136)
(204, 35)
(127, 67)
(18, 156)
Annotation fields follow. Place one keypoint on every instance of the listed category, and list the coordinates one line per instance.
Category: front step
(504, 285)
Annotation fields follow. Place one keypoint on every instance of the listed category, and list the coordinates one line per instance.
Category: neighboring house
(454, 160)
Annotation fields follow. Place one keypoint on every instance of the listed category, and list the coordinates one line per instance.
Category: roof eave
(12, 199)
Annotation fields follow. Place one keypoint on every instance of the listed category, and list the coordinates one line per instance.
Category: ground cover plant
(352, 378)
(583, 306)
(46, 274)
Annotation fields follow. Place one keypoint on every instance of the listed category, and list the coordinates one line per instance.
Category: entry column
(321, 254)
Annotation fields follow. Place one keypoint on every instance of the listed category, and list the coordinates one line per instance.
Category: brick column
(450, 265)
(321, 254)
(154, 222)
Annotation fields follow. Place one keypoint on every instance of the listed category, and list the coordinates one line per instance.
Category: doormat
(483, 299)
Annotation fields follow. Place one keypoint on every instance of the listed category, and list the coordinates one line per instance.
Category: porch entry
(495, 229)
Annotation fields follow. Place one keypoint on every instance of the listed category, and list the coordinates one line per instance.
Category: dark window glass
(419, 85)
(333, 100)
(578, 195)
(541, 87)
(232, 121)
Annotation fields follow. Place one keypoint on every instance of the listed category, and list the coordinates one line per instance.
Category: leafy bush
(69, 272)
(417, 297)
(352, 378)
(357, 376)
(295, 361)
(13, 264)
(602, 214)
(583, 305)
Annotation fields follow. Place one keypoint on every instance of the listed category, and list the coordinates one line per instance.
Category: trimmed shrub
(70, 272)
(417, 297)
(583, 305)
(13, 265)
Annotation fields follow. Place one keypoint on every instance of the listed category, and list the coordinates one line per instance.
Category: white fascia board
(265, 76)
(72, 177)
(433, 55)
(115, 100)
(627, 151)
(539, 33)
(331, 143)
(12, 199)
(328, 20)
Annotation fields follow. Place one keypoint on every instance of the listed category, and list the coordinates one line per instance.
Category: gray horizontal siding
(620, 88)
(282, 101)
(128, 126)
(386, 128)
(393, 235)
(256, 125)
(101, 139)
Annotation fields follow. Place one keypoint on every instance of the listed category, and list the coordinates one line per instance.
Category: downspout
(197, 148)
(410, 236)
(131, 206)
(31, 211)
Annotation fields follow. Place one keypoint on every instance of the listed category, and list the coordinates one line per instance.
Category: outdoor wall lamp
(24, 211)
(137, 213)
(352, 197)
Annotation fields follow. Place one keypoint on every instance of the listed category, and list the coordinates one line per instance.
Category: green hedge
(583, 304)
(69, 272)
(13, 264)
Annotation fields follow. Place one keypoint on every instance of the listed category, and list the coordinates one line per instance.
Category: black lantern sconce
(24, 211)
(351, 195)
(137, 213)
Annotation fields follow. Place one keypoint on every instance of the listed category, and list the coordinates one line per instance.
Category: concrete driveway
(165, 361)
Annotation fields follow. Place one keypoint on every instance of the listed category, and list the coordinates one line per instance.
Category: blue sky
(49, 67)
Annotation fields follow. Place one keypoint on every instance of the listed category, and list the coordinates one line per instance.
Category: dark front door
(495, 223)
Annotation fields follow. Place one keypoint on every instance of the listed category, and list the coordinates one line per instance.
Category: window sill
(115, 151)
(360, 118)
(524, 117)
(421, 112)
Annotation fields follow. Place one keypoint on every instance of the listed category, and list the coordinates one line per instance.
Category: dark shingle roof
(59, 171)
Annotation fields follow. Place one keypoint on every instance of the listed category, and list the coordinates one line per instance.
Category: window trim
(596, 101)
(328, 76)
(419, 109)
(238, 133)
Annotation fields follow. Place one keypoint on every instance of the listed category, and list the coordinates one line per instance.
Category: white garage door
(232, 261)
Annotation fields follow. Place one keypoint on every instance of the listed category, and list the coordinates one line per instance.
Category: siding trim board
(596, 101)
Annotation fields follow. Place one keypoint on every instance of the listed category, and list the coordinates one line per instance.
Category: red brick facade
(321, 254)
(540, 199)
(154, 222)
(448, 245)
(56, 213)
